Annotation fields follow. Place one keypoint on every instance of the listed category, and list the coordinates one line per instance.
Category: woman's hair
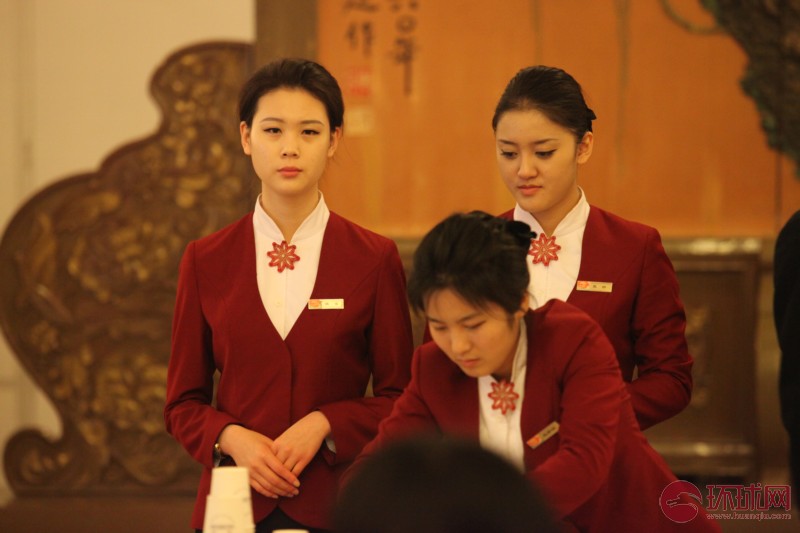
(478, 256)
(434, 484)
(293, 74)
(551, 91)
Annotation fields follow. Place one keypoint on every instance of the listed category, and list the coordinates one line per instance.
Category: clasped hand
(275, 465)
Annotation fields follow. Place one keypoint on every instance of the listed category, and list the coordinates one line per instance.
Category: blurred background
(694, 103)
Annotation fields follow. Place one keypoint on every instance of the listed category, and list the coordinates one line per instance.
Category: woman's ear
(524, 305)
(244, 132)
(584, 149)
(335, 136)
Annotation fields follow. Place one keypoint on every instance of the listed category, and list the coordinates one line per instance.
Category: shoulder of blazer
(556, 329)
(435, 362)
(607, 223)
(604, 223)
(558, 321)
(349, 234)
(225, 254)
(222, 240)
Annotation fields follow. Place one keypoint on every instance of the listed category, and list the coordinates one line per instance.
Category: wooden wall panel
(678, 143)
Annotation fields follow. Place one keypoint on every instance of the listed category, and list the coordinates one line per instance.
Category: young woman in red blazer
(541, 388)
(614, 269)
(296, 308)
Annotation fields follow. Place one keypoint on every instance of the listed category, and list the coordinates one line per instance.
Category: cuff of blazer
(328, 455)
(211, 435)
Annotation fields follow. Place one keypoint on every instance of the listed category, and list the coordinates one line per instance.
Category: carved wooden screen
(88, 269)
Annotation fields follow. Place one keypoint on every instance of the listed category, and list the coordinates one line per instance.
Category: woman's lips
(289, 172)
(528, 190)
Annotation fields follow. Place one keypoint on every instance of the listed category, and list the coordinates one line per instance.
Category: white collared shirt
(558, 278)
(502, 433)
(285, 294)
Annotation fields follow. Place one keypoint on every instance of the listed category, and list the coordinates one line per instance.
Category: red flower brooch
(282, 256)
(503, 396)
(544, 249)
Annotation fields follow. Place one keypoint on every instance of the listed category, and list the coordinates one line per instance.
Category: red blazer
(266, 384)
(643, 315)
(598, 472)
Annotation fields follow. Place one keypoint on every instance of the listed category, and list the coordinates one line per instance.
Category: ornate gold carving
(769, 33)
(88, 272)
(697, 337)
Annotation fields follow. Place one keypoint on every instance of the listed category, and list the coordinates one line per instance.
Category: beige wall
(74, 85)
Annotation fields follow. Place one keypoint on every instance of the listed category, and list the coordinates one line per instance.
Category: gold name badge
(594, 286)
(550, 430)
(326, 303)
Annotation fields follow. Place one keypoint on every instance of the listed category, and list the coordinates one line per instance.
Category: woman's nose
(459, 343)
(289, 148)
(527, 167)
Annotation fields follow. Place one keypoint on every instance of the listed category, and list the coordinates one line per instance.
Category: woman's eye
(272, 131)
(473, 326)
(507, 155)
(310, 132)
(545, 155)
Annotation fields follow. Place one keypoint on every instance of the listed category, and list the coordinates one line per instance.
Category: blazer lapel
(466, 419)
(243, 279)
(540, 407)
(598, 263)
(333, 260)
(342, 266)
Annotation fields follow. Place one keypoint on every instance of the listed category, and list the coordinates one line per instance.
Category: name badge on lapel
(594, 286)
(326, 303)
(549, 430)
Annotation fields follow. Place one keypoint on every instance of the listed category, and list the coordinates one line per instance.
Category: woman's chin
(474, 372)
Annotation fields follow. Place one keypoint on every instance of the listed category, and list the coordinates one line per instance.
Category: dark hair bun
(479, 256)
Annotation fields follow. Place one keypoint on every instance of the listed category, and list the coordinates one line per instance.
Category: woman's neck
(289, 214)
(549, 220)
(507, 371)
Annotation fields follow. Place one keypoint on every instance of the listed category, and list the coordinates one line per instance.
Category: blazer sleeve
(663, 387)
(354, 422)
(410, 415)
(592, 397)
(188, 413)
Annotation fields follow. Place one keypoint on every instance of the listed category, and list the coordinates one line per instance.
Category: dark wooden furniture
(717, 435)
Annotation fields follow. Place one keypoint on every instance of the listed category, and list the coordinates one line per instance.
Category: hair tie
(521, 231)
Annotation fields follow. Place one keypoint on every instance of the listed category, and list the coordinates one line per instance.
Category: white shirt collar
(520, 362)
(574, 220)
(313, 224)
(502, 433)
(520, 358)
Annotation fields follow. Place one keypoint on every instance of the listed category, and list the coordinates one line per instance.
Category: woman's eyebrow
(277, 119)
(462, 319)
